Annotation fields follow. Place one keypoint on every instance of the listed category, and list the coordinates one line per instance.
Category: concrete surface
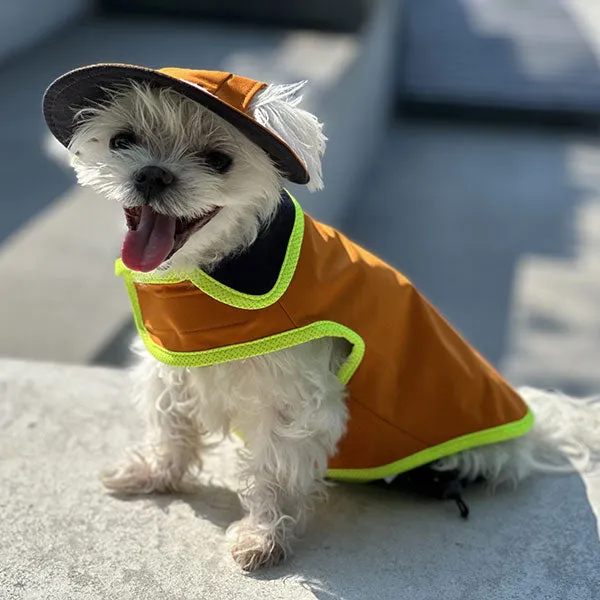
(62, 537)
(53, 270)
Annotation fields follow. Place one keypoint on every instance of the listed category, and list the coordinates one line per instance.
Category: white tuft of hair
(275, 107)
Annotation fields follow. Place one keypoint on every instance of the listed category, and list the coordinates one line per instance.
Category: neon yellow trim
(227, 295)
(501, 433)
(279, 341)
(223, 293)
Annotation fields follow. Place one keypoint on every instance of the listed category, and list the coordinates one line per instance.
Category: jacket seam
(384, 420)
(287, 314)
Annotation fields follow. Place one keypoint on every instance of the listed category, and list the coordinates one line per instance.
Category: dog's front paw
(254, 548)
(140, 475)
(251, 557)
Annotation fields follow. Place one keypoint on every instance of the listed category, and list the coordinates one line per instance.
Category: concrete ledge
(63, 537)
(68, 252)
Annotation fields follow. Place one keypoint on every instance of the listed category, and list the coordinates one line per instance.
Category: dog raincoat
(417, 391)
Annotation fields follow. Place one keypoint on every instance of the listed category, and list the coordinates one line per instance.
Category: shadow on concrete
(532, 543)
(539, 541)
(116, 352)
(215, 503)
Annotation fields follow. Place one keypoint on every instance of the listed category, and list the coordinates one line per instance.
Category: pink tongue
(149, 245)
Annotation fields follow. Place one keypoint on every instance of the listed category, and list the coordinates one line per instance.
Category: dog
(199, 189)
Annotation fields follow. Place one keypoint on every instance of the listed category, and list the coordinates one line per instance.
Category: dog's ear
(276, 108)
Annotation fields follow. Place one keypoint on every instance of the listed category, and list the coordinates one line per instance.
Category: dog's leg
(174, 434)
(284, 478)
(287, 445)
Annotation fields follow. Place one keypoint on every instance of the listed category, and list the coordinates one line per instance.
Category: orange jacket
(416, 390)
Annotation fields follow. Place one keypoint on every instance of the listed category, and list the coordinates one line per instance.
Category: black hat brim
(91, 85)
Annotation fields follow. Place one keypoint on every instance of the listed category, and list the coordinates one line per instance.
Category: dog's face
(193, 188)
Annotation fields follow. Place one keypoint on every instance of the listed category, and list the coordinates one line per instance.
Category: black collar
(256, 270)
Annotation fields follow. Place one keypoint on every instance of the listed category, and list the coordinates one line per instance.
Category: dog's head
(193, 187)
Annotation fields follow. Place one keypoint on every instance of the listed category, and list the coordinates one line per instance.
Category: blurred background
(463, 149)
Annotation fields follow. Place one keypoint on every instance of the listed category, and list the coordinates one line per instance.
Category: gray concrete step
(63, 537)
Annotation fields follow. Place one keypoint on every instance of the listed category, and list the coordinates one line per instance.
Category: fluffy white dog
(152, 148)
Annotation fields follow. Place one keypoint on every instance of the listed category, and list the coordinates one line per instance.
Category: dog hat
(225, 94)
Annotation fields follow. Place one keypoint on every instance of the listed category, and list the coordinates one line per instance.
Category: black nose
(151, 181)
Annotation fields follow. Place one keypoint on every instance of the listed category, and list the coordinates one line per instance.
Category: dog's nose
(152, 180)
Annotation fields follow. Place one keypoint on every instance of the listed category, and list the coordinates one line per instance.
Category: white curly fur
(288, 406)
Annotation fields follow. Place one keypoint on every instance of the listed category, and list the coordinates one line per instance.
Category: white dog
(145, 145)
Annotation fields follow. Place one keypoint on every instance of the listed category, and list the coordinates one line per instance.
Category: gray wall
(337, 15)
(24, 22)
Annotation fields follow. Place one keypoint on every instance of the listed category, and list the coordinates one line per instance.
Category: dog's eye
(219, 161)
(122, 141)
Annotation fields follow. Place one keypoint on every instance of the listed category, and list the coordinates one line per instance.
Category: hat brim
(91, 85)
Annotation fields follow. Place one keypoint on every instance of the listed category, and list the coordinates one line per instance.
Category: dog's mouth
(153, 238)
